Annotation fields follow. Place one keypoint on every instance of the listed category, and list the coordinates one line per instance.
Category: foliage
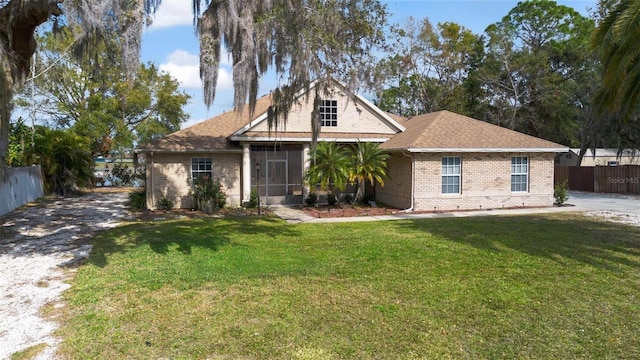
(138, 199)
(330, 167)
(429, 68)
(20, 137)
(121, 175)
(450, 288)
(208, 194)
(97, 100)
(348, 198)
(164, 203)
(98, 19)
(537, 60)
(311, 199)
(370, 163)
(332, 199)
(560, 193)
(253, 199)
(366, 199)
(65, 158)
(302, 40)
(617, 40)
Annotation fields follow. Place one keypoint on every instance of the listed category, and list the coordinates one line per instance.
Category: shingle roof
(438, 131)
(445, 130)
(209, 135)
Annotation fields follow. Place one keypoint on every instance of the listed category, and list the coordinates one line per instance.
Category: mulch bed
(347, 210)
(177, 214)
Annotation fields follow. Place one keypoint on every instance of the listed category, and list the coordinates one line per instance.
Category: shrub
(164, 203)
(560, 193)
(253, 199)
(208, 194)
(366, 198)
(138, 199)
(348, 198)
(332, 199)
(312, 199)
(121, 175)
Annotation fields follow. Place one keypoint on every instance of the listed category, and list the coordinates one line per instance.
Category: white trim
(251, 124)
(458, 175)
(306, 139)
(246, 174)
(483, 150)
(228, 151)
(526, 173)
(381, 113)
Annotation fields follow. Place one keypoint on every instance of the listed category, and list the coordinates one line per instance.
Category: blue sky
(171, 42)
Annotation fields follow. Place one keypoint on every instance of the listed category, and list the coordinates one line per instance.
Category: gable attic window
(328, 113)
(201, 167)
(519, 174)
(451, 175)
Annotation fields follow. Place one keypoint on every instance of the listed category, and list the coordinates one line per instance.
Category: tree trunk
(18, 22)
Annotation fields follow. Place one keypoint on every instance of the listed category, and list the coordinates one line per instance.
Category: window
(519, 173)
(451, 175)
(328, 113)
(201, 167)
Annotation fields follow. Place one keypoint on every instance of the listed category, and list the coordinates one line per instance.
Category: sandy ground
(40, 244)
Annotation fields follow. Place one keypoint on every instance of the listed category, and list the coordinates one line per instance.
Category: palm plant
(330, 167)
(65, 159)
(617, 37)
(370, 164)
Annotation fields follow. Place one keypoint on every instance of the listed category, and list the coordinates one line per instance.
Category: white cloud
(184, 67)
(225, 80)
(172, 13)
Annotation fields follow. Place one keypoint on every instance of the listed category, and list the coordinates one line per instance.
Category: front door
(276, 191)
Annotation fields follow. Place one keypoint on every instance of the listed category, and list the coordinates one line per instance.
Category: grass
(29, 353)
(546, 287)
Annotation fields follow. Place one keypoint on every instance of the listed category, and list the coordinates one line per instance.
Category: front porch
(276, 172)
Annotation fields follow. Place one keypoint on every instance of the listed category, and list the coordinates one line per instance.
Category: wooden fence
(623, 179)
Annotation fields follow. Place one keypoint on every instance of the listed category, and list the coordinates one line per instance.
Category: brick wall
(485, 182)
(397, 187)
(170, 175)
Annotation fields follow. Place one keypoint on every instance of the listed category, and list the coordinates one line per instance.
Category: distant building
(601, 157)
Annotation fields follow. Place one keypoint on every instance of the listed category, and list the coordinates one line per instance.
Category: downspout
(153, 184)
(413, 182)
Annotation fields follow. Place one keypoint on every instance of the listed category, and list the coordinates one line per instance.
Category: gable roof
(248, 132)
(445, 131)
(223, 132)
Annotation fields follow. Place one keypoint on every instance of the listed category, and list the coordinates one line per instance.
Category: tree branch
(19, 21)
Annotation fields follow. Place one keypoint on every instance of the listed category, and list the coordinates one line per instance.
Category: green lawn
(551, 287)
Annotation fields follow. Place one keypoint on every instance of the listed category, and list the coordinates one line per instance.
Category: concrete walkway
(296, 216)
(578, 201)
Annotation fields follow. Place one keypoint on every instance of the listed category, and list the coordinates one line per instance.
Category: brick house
(441, 161)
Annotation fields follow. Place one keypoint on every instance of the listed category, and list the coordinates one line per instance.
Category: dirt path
(39, 244)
